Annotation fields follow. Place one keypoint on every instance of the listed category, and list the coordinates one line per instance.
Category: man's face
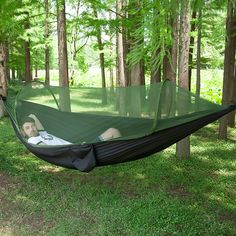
(30, 129)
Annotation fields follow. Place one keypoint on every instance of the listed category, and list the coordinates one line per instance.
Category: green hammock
(149, 118)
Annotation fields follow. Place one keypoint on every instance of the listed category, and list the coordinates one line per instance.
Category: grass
(159, 195)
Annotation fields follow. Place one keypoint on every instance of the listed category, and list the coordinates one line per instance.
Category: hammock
(150, 119)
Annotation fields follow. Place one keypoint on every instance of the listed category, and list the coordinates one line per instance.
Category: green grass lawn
(158, 195)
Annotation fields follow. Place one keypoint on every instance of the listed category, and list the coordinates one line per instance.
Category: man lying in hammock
(33, 130)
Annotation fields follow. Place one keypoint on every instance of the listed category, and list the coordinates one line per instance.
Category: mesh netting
(81, 115)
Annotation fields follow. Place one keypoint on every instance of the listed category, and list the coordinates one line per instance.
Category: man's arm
(38, 124)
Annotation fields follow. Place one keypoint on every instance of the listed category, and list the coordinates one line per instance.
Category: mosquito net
(81, 115)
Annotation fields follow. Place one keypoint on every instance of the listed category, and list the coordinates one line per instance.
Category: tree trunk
(7, 63)
(137, 69)
(232, 94)
(20, 77)
(73, 46)
(199, 37)
(154, 63)
(102, 60)
(155, 74)
(122, 79)
(229, 67)
(191, 47)
(174, 49)
(62, 55)
(36, 73)
(13, 73)
(28, 76)
(183, 146)
(3, 79)
(167, 67)
(111, 65)
(47, 52)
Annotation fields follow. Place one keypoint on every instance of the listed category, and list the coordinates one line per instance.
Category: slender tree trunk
(155, 75)
(36, 73)
(13, 73)
(155, 70)
(122, 79)
(47, 50)
(20, 76)
(199, 37)
(7, 63)
(232, 94)
(62, 45)
(183, 146)
(62, 55)
(174, 49)
(229, 67)
(3, 77)
(73, 46)
(111, 66)
(191, 47)
(101, 57)
(121, 45)
(137, 68)
(167, 67)
(154, 64)
(28, 76)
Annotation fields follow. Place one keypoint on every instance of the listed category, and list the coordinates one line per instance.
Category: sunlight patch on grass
(140, 176)
(49, 168)
(224, 172)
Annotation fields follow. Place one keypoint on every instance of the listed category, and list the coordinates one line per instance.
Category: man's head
(28, 127)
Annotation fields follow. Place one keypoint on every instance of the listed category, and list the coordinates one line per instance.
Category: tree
(47, 50)
(101, 56)
(229, 67)
(121, 49)
(199, 38)
(62, 44)
(62, 56)
(122, 75)
(183, 146)
(191, 46)
(28, 75)
(3, 77)
(136, 38)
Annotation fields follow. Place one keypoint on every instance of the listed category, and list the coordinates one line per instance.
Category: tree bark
(3, 77)
(7, 63)
(183, 146)
(122, 79)
(174, 49)
(154, 63)
(47, 50)
(137, 76)
(229, 67)
(111, 65)
(13, 73)
(64, 99)
(167, 67)
(191, 47)
(155, 70)
(73, 46)
(199, 37)
(36, 73)
(28, 75)
(232, 94)
(122, 75)
(102, 60)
